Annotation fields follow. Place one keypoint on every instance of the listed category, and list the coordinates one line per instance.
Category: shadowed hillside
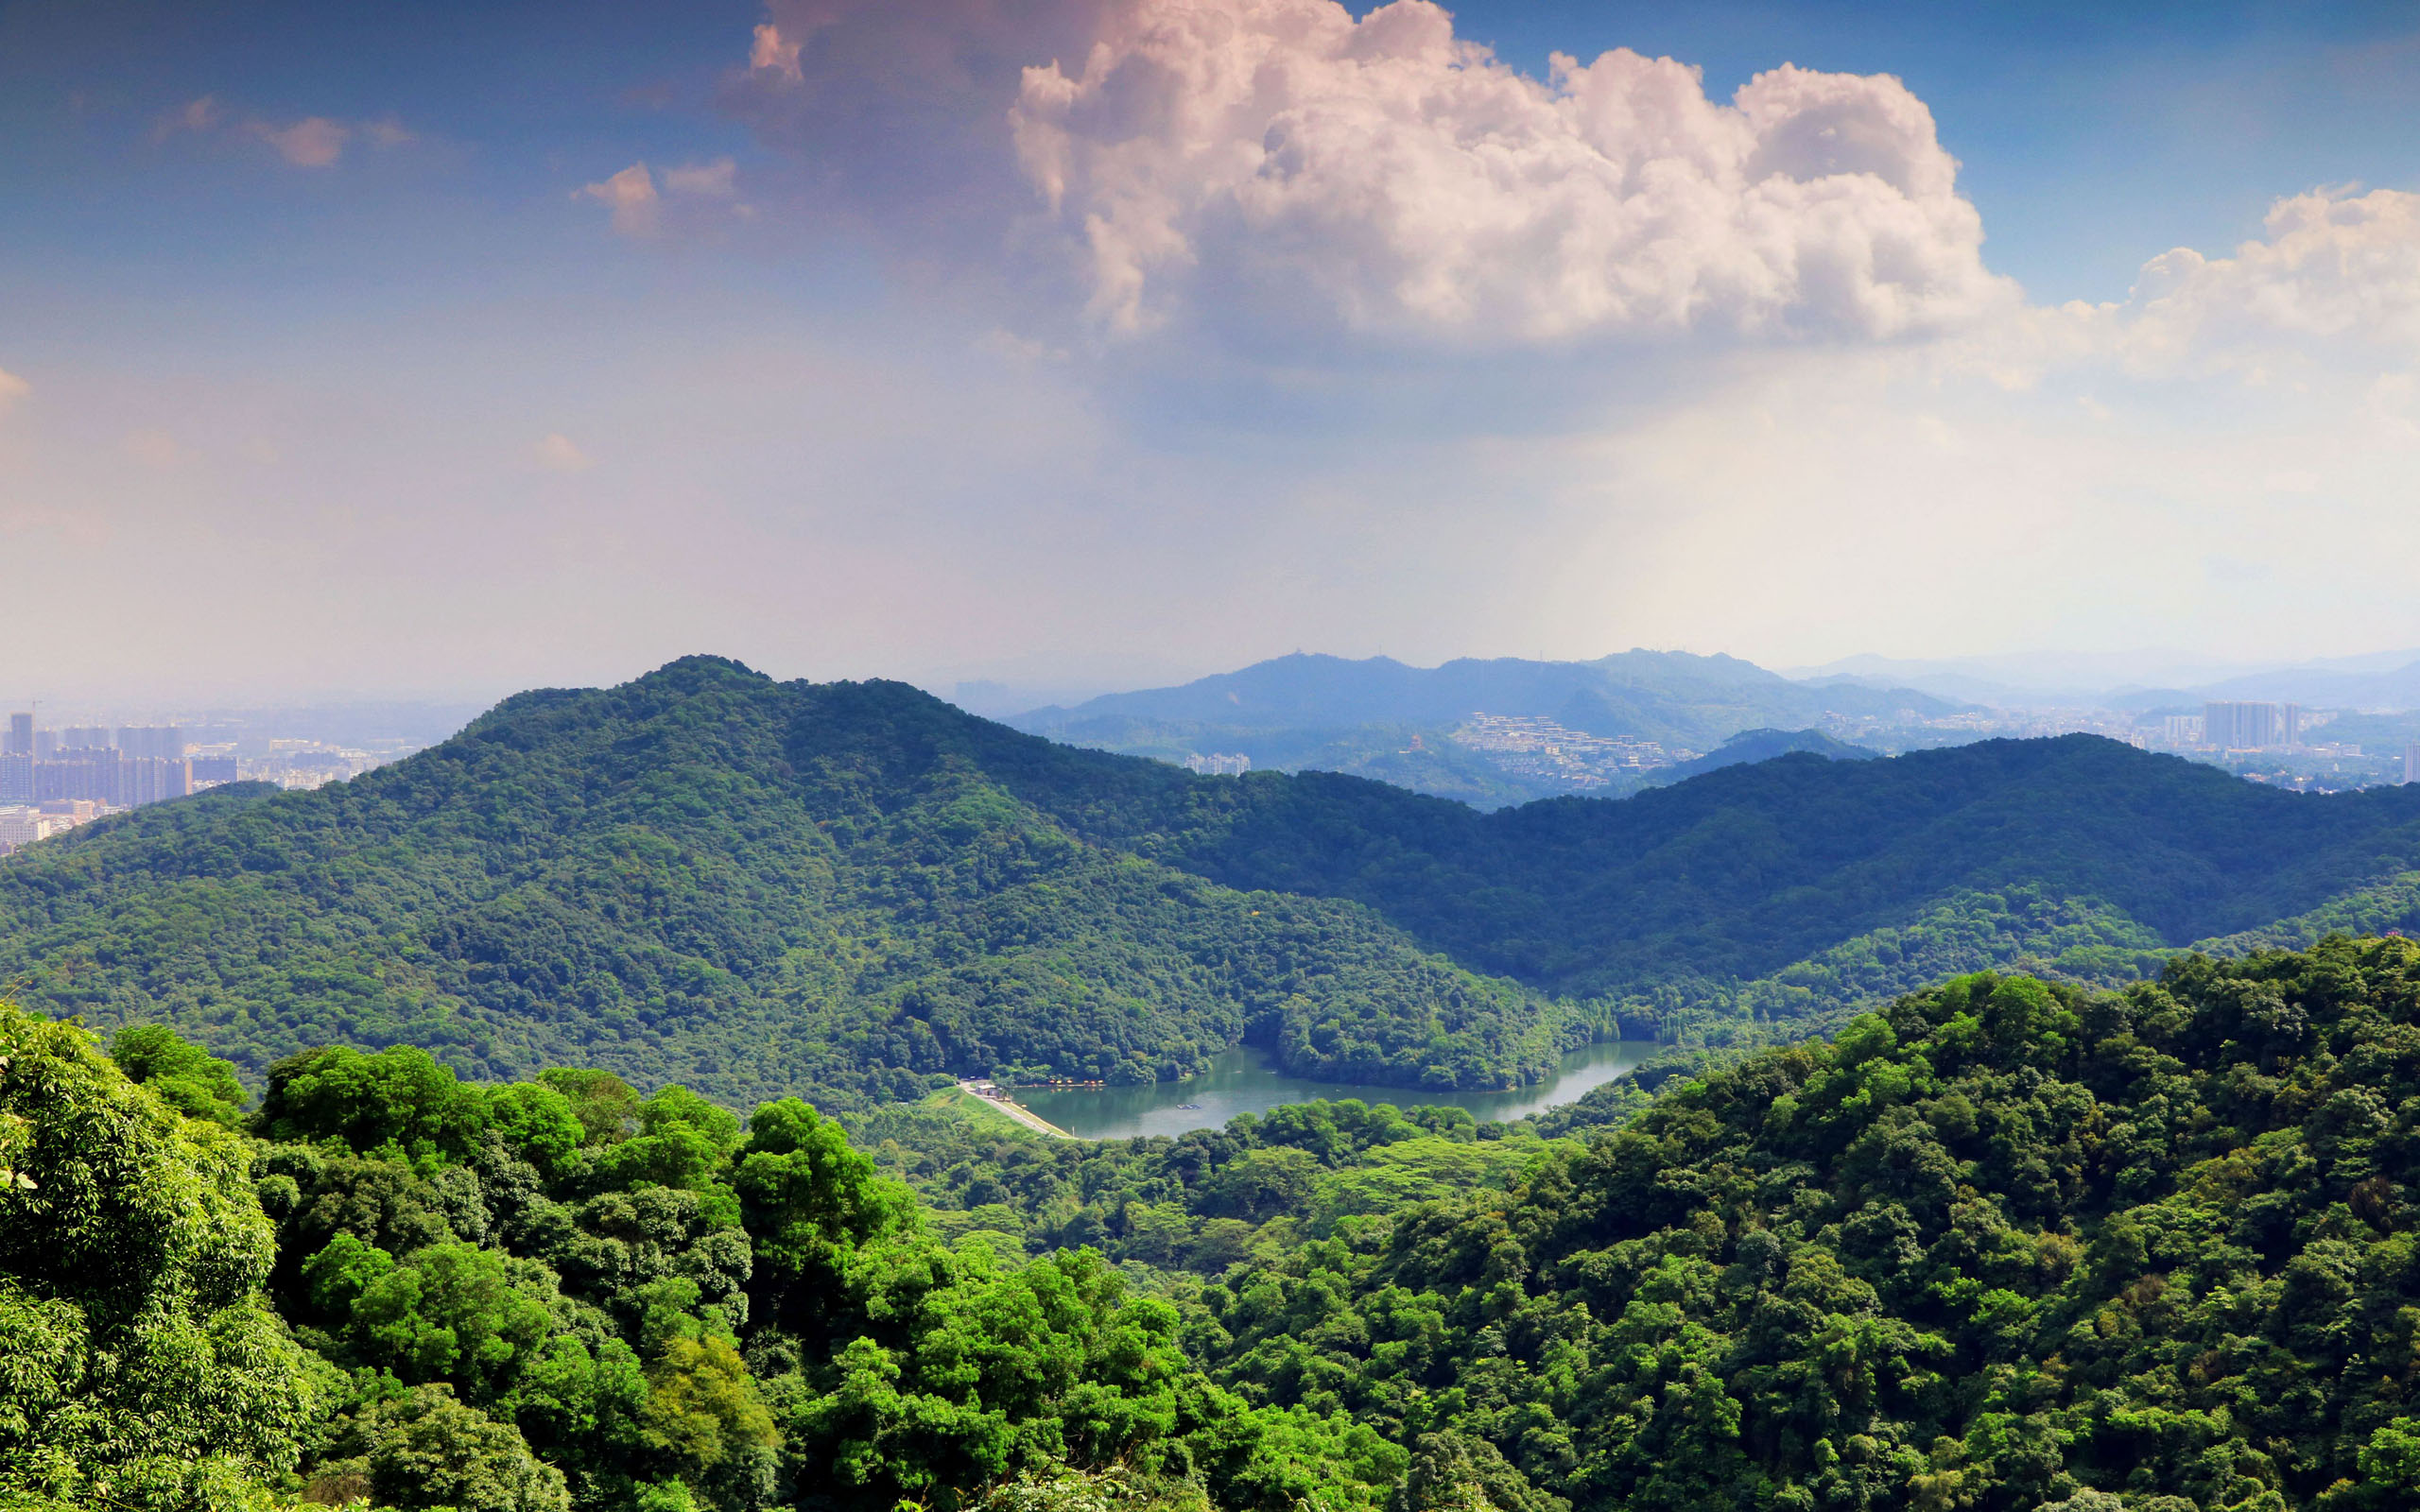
(855, 890)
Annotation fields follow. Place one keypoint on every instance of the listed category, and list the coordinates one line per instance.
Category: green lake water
(1246, 1081)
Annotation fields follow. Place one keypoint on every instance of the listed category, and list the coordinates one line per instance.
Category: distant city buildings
(2251, 725)
(1217, 766)
(54, 779)
(162, 743)
(2411, 762)
(25, 823)
(1531, 745)
(85, 765)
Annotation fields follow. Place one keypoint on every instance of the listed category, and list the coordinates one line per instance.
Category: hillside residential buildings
(2251, 725)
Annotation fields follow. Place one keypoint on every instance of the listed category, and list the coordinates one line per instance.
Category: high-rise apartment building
(90, 775)
(84, 737)
(165, 743)
(152, 779)
(2411, 762)
(2250, 726)
(20, 734)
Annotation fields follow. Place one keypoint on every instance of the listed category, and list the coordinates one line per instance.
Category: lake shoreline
(1246, 1079)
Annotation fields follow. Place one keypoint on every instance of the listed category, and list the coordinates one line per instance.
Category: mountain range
(1672, 696)
(2135, 679)
(1331, 714)
(853, 891)
(2390, 688)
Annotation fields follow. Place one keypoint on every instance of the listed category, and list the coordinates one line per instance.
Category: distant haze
(1078, 345)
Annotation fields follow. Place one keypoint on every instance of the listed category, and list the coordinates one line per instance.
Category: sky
(446, 350)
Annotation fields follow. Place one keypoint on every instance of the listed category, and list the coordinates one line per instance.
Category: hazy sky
(438, 349)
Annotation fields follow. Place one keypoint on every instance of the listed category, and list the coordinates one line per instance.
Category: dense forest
(395, 1287)
(2003, 1245)
(853, 892)
(750, 888)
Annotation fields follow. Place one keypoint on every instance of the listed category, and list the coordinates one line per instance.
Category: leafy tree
(400, 1100)
(606, 1105)
(808, 1200)
(455, 1313)
(704, 1412)
(537, 1123)
(138, 1359)
(183, 1074)
(424, 1450)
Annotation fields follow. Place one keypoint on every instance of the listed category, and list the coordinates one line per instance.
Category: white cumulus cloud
(646, 202)
(1286, 178)
(2336, 271)
(632, 198)
(1407, 182)
(769, 53)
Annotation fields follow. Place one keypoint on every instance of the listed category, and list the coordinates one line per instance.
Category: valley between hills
(569, 1116)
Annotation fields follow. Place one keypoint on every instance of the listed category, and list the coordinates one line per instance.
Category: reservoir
(1245, 1080)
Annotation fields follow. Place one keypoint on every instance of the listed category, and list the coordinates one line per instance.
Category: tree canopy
(139, 1361)
(2004, 1244)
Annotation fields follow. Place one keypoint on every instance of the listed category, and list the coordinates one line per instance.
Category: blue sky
(353, 347)
(2088, 133)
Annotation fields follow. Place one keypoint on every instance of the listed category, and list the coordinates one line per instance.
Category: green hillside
(854, 891)
(2006, 1245)
(1682, 894)
(755, 889)
(1999, 1247)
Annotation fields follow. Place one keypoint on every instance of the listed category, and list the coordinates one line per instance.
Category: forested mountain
(2003, 1246)
(2006, 1245)
(750, 887)
(1663, 696)
(853, 891)
(1759, 870)
(1329, 713)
